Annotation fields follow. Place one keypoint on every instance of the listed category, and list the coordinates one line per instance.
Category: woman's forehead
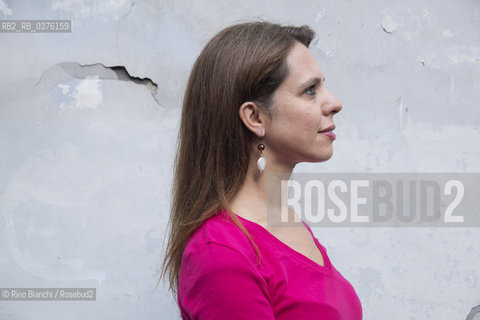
(302, 65)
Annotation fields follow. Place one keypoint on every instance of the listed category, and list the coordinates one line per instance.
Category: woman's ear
(253, 118)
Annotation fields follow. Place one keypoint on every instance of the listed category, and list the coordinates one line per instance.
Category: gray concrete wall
(86, 149)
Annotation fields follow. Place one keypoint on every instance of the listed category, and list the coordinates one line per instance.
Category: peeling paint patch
(65, 88)
(88, 94)
(65, 71)
(388, 25)
(5, 9)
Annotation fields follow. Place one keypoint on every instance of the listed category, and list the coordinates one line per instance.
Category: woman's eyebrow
(313, 81)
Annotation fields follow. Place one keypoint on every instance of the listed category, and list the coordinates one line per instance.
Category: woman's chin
(321, 157)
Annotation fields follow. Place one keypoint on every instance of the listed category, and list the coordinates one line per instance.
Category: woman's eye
(310, 90)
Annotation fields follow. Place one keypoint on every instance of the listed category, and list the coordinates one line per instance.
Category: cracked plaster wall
(88, 123)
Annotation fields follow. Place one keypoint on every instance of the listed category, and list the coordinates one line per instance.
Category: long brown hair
(244, 62)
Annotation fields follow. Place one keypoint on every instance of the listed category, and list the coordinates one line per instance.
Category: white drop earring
(261, 162)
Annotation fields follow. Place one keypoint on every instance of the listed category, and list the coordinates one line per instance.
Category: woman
(255, 105)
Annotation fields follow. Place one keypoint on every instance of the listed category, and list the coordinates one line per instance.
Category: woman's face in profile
(301, 108)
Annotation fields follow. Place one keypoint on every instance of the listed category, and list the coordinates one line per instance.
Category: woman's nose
(332, 104)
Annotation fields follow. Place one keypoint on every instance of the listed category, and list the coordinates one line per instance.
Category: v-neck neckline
(326, 261)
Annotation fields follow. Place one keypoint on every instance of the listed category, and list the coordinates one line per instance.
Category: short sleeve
(218, 282)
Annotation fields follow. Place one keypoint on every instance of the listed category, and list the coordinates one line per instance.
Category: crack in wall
(118, 25)
(67, 70)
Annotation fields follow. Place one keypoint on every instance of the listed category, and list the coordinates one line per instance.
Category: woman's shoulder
(219, 231)
(218, 266)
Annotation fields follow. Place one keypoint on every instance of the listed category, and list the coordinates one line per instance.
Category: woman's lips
(329, 132)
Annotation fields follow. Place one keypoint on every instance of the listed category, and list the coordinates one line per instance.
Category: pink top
(220, 278)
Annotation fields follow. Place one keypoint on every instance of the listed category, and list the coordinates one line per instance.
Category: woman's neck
(262, 196)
